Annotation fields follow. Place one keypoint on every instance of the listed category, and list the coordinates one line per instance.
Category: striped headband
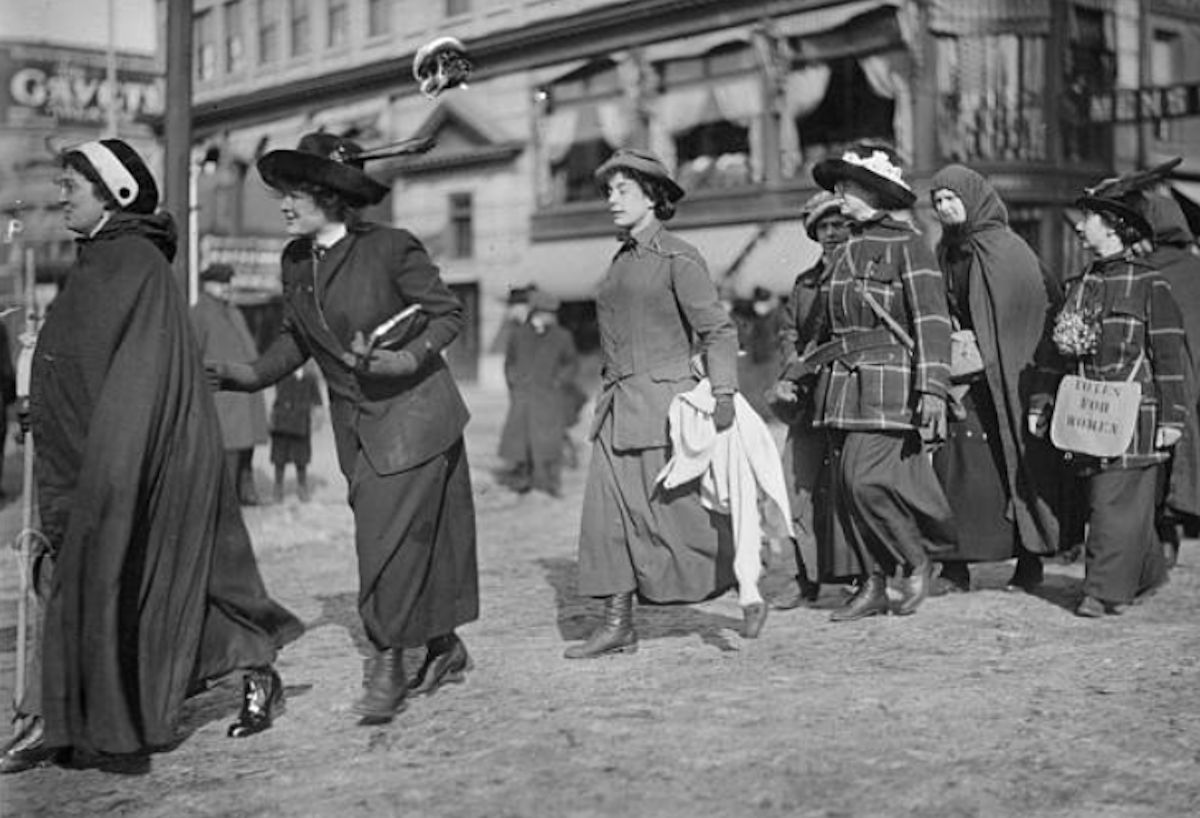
(113, 172)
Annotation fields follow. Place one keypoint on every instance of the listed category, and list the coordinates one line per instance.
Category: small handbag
(1094, 417)
(966, 361)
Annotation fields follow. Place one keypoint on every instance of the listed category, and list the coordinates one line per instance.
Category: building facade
(740, 98)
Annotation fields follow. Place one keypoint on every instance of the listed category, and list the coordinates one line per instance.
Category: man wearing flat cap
(224, 335)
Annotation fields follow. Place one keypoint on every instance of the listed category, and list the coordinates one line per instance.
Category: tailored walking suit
(889, 504)
(399, 438)
(655, 307)
(1141, 332)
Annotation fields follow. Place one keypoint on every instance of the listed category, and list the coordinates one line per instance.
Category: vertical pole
(112, 127)
(178, 127)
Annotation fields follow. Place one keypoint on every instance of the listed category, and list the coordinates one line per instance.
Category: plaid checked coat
(1138, 317)
(878, 389)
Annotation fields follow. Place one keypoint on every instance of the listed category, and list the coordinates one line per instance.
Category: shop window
(268, 30)
(991, 97)
(301, 24)
(715, 154)
(573, 174)
(848, 112)
(462, 226)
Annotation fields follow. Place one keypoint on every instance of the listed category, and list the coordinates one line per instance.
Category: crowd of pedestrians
(925, 387)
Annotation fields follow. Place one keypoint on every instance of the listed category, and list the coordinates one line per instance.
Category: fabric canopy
(782, 253)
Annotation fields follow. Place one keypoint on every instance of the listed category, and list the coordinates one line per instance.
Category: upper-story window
(1166, 67)
(1091, 68)
(462, 226)
(584, 124)
(301, 25)
(270, 23)
(235, 37)
(706, 108)
(454, 8)
(379, 17)
(204, 36)
(338, 22)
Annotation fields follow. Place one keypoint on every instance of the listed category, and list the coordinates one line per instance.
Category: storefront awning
(783, 252)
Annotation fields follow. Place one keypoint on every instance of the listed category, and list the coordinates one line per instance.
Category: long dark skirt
(1123, 555)
(970, 468)
(889, 503)
(415, 537)
(287, 449)
(665, 545)
(807, 467)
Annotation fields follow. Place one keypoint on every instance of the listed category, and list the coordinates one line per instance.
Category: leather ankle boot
(262, 701)
(386, 689)
(616, 635)
(916, 588)
(446, 662)
(870, 600)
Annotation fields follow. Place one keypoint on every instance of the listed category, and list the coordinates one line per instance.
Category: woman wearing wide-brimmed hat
(396, 411)
(883, 395)
(656, 306)
(1119, 321)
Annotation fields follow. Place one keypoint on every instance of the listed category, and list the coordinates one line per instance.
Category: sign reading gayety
(69, 86)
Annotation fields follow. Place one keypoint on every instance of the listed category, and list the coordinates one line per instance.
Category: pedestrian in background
(990, 468)
(8, 394)
(224, 335)
(1120, 322)
(883, 398)
(655, 306)
(155, 586)
(395, 408)
(296, 396)
(820, 553)
(540, 366)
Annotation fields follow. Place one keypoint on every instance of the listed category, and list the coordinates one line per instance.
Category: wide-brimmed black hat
(323, 159)
(1122, 210)
(643, 162)
(874, 167)
(219, 271)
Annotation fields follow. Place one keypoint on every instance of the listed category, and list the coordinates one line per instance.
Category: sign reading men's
(1145, 104)
(69, 86)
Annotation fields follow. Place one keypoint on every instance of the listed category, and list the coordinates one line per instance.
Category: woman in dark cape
(155, 583)
(989, 466)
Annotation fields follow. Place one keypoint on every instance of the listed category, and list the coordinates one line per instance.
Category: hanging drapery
(804, 88)
(887, 74)
(557, 133)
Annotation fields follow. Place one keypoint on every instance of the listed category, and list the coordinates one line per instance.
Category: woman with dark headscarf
(995, 288)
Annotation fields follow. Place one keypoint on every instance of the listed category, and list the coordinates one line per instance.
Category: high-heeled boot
(870, 600)
(386, 689)
(262, 701)
(615, 635)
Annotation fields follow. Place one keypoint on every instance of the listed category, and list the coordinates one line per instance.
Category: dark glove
(231, 376)
(23, 419)
(394, 363)
(723, 412)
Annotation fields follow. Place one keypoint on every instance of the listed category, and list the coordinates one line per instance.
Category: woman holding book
(396, 411)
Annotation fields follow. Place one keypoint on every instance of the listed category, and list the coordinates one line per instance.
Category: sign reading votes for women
(1095, 417)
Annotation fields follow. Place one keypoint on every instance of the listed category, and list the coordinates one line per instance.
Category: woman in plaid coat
(884, 397)
(1120, 321)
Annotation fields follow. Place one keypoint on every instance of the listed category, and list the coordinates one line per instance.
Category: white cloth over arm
(739, 472)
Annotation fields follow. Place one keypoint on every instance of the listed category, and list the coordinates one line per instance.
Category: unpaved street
(989, 704)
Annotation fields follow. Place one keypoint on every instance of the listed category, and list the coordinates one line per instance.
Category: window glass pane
(204, 39)
(457, 7)
(235, 51)
(379, 17)
(462, 231)
(268, 30)
(301, 27)
(339, 22)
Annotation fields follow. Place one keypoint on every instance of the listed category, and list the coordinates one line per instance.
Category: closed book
(400, 329)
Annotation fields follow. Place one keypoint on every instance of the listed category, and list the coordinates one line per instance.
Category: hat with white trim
(876, 167)
(122, 172)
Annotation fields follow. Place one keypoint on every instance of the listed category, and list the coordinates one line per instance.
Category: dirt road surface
(987, 704)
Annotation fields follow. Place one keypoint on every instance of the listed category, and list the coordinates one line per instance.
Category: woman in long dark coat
(989, 467)
(396, 411)
(155, 586)
(654, 305)
(540, 364)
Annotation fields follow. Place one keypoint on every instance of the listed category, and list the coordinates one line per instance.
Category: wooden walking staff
(28, 540)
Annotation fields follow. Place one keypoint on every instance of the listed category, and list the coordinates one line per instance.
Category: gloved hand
(235, 377)
(723, 412)
(23, 419)
(1166, 436)
(932, 413)
(1039, 422)
(394, 363)
(785, 391)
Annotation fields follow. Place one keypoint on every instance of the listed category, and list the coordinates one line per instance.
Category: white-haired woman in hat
(395, 408)
(822, 555)
(882, 395)
(656, 306)
(154, 587)
(992, 472)
(1119, 322)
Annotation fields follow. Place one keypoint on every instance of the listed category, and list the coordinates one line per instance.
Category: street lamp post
(178, 131)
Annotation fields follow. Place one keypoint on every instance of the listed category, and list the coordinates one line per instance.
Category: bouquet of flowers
(1077, 331)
